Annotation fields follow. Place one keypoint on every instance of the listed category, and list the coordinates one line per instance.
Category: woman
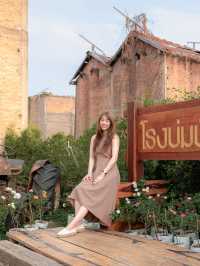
(96, 194)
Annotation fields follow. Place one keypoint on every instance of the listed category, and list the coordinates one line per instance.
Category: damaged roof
(162, 45)
(149, 39)
(89, 55)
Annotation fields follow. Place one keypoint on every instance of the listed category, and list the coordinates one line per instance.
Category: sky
(56, 50)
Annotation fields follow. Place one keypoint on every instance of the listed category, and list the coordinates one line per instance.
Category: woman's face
(104, 123)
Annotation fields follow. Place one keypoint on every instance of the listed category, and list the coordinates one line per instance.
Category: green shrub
(3, 214)
(69, 154)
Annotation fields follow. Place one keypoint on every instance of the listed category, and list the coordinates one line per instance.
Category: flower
(137, 204)
(165, 197)
(64, 205)
(127, 200)
(3, 197)
(13, 192)
(35, 197)
(134, 184)
(150, 197)
(144, 189)
(183, 215)
(158, 195)
(12, 205)
(44, 194)
(118, 211)
(30, 190)
(17, 196)
(8, 189)
(147, 189)
(189, 198)
(136, 189)
(172, 211)
(138, 194)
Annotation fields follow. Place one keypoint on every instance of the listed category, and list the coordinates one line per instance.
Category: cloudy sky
(56, 50)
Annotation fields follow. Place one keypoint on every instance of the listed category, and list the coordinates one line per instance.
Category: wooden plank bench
(15, 255)
(157, 186)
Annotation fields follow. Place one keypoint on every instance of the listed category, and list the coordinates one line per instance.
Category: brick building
(52, 114)
(13, 62)
(144, 66)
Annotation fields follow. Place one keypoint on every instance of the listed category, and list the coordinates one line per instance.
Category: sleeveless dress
(99, 198)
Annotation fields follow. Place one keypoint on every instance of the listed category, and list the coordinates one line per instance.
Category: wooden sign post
(162, 132)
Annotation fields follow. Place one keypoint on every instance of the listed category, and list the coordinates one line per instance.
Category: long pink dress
(99, 198)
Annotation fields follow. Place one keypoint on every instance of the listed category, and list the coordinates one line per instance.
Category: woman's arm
(115, 151)
(91, 157)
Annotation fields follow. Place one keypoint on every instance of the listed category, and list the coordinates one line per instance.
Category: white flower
(64, 205)
(30, 190)
(136, 189)
(12, 205)
(118, 211)
(158, 195)
(149, 197)
(165, 197)
(189, 198)
(13, 192)
(17, 196)
(127, 200)
(134, 184)
(138, 194)
(144, 189)
(3, 197)
(147, 189)
(8, 189)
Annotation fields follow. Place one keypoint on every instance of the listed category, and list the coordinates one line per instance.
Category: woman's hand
(98, 178)
(88, 178)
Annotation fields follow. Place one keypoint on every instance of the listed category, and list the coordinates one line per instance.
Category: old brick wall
(119, 88)
(150, 75)
(140, 71)
(52, 114)
(106, 88)
(36, 112)
(13, 61)
(181, 73)
(91, 95)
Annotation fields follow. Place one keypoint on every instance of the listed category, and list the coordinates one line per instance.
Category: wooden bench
(156, 187)
(126, 190)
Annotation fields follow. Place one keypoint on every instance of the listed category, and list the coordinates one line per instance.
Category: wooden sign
(164, 132)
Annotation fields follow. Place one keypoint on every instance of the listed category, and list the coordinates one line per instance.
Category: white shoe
(80, 228)
(66, 232)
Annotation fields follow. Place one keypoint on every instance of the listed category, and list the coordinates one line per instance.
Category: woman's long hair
(99, 133)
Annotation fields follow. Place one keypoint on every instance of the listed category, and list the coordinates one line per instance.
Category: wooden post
(135, 167)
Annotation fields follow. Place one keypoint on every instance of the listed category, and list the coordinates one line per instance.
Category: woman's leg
(78, 218)
(77, 206)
